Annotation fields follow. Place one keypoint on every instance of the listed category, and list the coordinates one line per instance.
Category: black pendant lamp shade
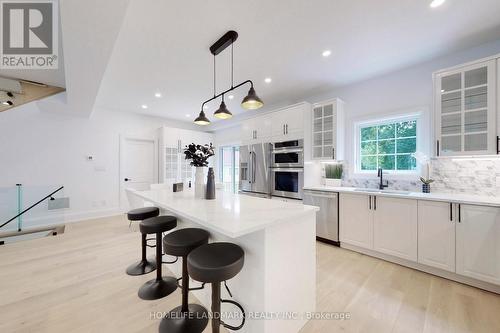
(202, 119)
(252, 101)
(223, 112)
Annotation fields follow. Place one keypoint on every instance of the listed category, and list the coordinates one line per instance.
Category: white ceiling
(163, 47)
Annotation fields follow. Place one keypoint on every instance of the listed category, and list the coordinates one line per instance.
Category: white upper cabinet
(328, 130)
(288, 124)
(466, 110)
(395, 227)
(436, 234)
(478, 242)
(256, 130)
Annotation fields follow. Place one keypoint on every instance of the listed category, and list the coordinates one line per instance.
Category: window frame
(384, 121)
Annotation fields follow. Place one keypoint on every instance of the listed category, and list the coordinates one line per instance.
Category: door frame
(121, 162)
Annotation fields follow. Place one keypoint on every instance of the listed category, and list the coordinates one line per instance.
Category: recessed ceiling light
(230, 96)
(268, 80)
(436, 3)
(188, 116)
(326, 53)
(144, 106)
(205, 107)
(158, 95)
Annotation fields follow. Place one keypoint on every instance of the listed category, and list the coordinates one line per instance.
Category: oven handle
(281, 151)
(287, 169)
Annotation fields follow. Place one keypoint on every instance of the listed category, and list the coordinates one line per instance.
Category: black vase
(210, 194)
(426, 188)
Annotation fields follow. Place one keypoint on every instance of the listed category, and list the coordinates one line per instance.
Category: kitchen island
(277, 283)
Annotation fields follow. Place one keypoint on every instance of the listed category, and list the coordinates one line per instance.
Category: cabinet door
(436, 234)
(294, 120)
(356, 220)
(325, 132)
(278, 120)
(262, 127)
(466, 110)
(395, 227)
(247, 131)
(478, 243)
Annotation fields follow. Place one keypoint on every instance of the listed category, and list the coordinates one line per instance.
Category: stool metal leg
(161, 286)
(187, 318)
(215, 307)
(144, 266)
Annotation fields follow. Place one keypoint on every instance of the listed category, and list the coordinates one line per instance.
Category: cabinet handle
(498, 144)
(286, 127)
(283, 129)
(437, 147)
(370, 202)
(451, 212)
(374, 202)
(333, 153)
(459, 213)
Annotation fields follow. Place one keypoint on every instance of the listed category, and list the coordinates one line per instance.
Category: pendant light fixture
(250, 102)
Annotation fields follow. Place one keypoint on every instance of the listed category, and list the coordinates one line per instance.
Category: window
(389, 145)
(229, 174)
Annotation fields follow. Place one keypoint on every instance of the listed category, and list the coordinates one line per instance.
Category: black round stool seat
(157, 224)
(143, 213)
(181, 242)
(215, 262)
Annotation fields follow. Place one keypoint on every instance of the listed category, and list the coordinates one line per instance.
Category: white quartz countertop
(448, 197)
(233, 215)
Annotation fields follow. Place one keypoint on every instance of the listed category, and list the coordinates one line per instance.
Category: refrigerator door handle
(254, 160)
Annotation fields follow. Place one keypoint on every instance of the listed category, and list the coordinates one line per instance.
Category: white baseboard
(424, 268)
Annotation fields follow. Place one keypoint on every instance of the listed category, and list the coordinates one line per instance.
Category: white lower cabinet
(436, 234)
(478, 243)
(356, 220)
(395, 227)
(458, 238)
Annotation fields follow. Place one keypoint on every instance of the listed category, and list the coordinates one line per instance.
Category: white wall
(49, 148)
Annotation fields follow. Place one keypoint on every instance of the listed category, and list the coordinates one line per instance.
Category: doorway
(229, 170)
(138, 166)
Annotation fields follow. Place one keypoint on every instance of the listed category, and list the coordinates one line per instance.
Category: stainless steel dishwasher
(327, 219)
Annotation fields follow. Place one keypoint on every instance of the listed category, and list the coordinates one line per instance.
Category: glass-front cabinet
(328, 130)
(465, 105)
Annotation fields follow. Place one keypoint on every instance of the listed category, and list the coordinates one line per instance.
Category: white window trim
(413, 114)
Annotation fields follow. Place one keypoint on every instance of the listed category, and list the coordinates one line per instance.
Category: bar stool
(161, 286)
(192, 318)
(144, 266)
(215, 263)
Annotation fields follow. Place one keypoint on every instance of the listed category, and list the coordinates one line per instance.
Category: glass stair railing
(28, 212)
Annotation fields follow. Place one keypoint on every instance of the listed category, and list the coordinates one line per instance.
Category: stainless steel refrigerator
(254, 169)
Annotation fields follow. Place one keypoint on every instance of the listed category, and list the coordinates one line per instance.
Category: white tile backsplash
(468, 176)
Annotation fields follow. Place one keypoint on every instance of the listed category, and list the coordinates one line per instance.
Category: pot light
(144, 106)
(230, 96)
(326, 53)
(205, 107)
(268, 80)
(188, 116)
(158, 95)
(437, 3)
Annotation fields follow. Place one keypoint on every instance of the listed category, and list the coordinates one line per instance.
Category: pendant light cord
(214, 76)
(232, 65)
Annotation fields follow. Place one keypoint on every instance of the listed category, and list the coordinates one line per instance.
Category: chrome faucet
(380, 175)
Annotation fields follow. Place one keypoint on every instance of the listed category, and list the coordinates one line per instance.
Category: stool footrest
(170, 262)
(190, 289)
(234, 328)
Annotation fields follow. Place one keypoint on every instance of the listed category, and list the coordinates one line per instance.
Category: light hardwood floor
(76, 282)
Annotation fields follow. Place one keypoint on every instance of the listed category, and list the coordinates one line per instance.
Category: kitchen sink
(374, 190)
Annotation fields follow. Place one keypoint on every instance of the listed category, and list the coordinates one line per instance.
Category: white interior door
(138, 165)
